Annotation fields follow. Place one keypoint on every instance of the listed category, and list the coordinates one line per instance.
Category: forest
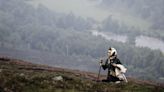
(67, 37)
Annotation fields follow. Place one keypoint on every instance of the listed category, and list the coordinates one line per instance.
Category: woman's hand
(101, 62)
(115, 65)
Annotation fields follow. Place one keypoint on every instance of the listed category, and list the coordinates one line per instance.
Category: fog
(140, 41)
(150, 42)
(76, 34)
(83, 8)
(93, 9)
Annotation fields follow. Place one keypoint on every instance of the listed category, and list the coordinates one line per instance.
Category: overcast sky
(84, 8)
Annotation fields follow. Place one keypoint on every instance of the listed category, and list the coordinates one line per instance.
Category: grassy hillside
(21, 76)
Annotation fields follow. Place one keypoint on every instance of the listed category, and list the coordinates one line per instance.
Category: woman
(114, 66)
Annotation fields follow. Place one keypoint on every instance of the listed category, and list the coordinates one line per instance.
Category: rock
(22, 74)
(58, 78)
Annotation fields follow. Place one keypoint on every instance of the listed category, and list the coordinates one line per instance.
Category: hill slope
(22, 76)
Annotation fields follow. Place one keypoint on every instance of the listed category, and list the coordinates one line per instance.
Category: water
(150, 42)
(110, 36)
(141, 41)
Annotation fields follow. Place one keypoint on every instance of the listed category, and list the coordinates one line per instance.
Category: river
(141, 41)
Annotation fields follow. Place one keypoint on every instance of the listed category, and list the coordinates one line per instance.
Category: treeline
(21, 21)
(149, 10)
(114, 26)
(26, 28)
